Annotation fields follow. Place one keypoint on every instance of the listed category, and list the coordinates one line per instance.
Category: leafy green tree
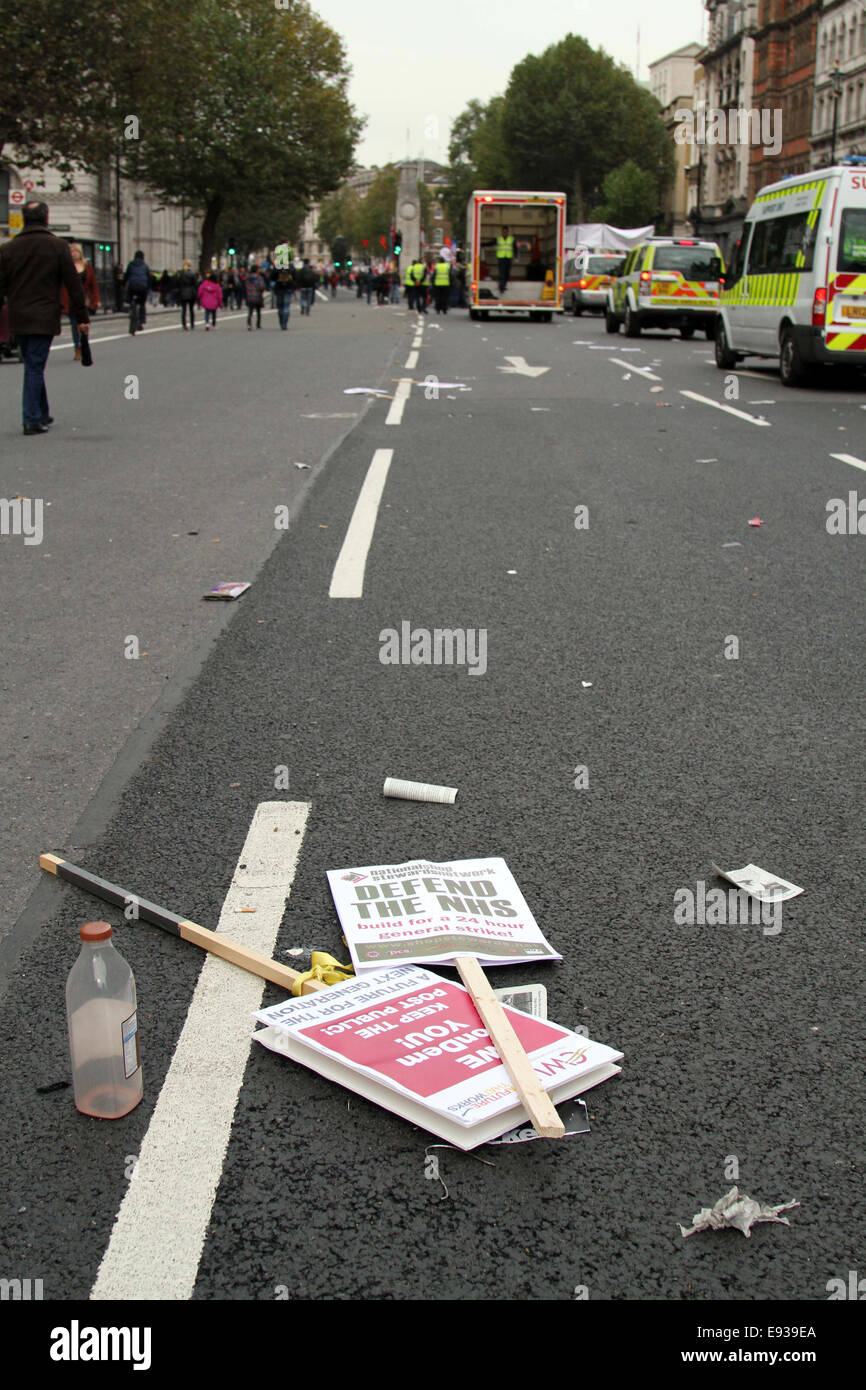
(254, 224)
(631, 197)
(242, 97)
(571, 115)
(375, 213)
(338, 216)
(478, 157)
(55, 97)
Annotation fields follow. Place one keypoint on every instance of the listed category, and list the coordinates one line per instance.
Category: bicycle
(135, 308)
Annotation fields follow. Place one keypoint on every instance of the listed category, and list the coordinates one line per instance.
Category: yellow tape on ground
(324, 968)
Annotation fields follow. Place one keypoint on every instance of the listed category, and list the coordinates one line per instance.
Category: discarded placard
(228, 589)
(768, 888)
(364, 391)
(414, 1043)
(739, 1212)
(427, 912)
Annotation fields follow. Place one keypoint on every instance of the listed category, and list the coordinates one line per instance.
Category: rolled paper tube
(418, 791)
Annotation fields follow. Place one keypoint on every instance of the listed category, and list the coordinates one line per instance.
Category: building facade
(112, 220)
(719, 169)
(672, 83)
(784, 82)
(840, 82)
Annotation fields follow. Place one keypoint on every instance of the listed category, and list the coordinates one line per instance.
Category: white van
(587, 277)
(796, 286)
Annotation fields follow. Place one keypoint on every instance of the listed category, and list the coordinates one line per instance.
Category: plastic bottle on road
(103, 1027)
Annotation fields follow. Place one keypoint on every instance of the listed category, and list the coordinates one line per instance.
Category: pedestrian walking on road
(187, 284)
(307, 278)
(504, 258)
(409, 285)
(419, 280)
(442, 284)
(210, 297)
(136, 278)
(87, 275)
(283, 282)
(33, 266)
(255, 296)
(335, 280)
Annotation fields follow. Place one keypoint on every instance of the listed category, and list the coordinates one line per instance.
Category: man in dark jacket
(33, 266)
(136, 278)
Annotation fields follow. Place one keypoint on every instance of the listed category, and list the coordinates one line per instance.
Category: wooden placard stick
(215, 942)
(535, 1100)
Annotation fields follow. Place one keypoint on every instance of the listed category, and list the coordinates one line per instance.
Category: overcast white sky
(416, 66)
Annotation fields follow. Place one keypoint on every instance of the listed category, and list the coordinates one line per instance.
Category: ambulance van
(796, 285)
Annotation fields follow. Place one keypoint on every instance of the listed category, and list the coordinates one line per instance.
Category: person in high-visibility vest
(504, 258)
(418, 271)
(441, 284)
(409, 284)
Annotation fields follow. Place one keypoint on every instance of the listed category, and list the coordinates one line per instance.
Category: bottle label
(131, 1053)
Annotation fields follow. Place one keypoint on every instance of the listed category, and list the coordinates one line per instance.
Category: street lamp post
(836, 76)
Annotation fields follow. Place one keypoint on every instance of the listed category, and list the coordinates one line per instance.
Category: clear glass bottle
(103, 1027)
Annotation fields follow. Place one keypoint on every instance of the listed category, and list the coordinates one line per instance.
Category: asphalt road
(605, 649)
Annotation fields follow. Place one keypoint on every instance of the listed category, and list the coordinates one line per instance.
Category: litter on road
(172, 922)
(739, 1212)
(768, 888)
(303, 465)
(227, 590)
(418, 791)
(573, 1116)
(756, 521)
(416, 1044)
(726, 545)
(365, 391)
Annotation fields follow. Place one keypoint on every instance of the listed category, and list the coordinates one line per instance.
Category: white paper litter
(303, 465)
(726, 545)
(363, 391)
(740, 1212)
(758, 883)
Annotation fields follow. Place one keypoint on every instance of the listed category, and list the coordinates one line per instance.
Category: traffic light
(231, 251)
(336, 265)
(398, 243)
(349, 262)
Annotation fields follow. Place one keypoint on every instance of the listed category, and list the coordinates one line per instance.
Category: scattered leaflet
(431, 913)
(228, 589)
(415, 1044)
(768, 888)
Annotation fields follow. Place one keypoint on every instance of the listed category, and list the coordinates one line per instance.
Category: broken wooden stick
(214, 942)
(533, 1097)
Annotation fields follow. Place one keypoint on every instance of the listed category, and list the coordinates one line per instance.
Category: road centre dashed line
(412, 360)
(630, 367)
(719, 405)
(157, 1239)
(347, 580)
(398, 405)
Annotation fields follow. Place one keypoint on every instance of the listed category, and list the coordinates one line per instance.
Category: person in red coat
(87, 276)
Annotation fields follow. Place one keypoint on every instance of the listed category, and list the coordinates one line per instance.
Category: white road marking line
(347, 581)
(141, 332)
(323, 297)
(756, 376)
(157, 1239)
(412, 360)
(416, 342)
(398, 405)
(630, 366)
(717, 405)
(849, 458)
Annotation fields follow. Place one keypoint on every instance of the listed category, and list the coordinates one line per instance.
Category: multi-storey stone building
(840, 81)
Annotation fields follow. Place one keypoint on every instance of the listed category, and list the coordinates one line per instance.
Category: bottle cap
(95, 931)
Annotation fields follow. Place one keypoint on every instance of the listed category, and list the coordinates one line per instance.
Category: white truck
(536, 222)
